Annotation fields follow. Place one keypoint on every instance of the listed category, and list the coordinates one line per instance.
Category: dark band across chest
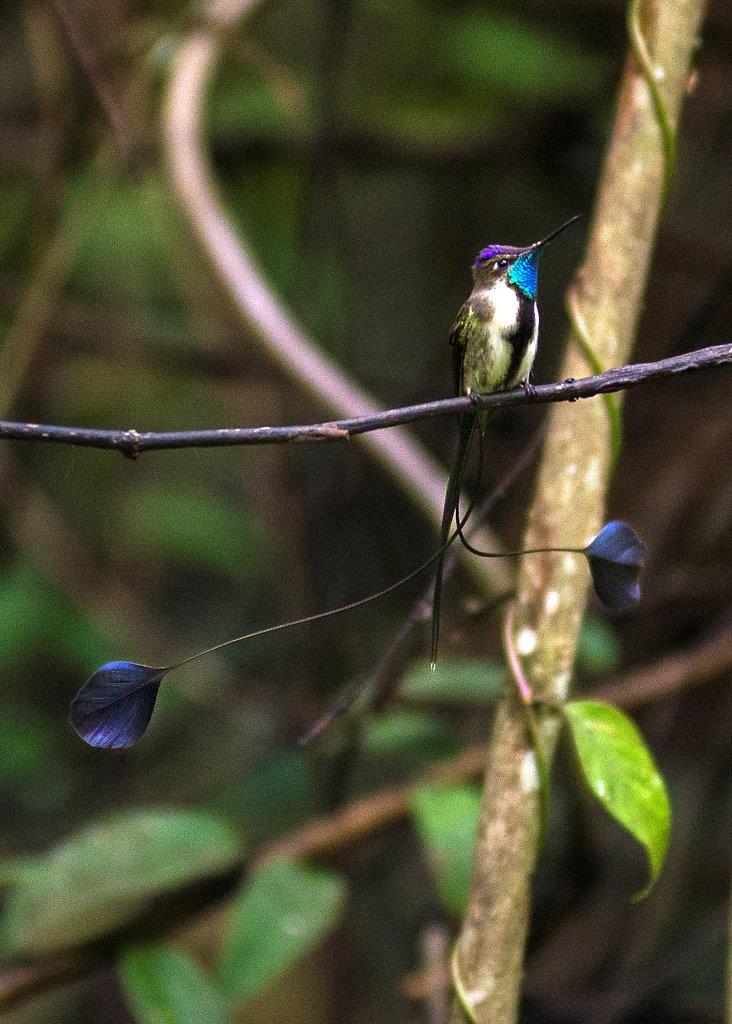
(521, 335)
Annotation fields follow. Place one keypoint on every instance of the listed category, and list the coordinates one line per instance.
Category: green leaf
(403, 731)
(164, 986)
(280, 912)
(31, 771)
(446, 818)
(621, 772)
(418, 115)
(95, 387)
(100, 879)
(25, 608)
(26, 747)
(243, 105)
(272, 797)
(513, 58)
(185, 524)
(269, 202)
(598, 650)
(454, 681)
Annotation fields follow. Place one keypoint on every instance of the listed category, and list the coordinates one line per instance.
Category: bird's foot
(475, 400)
(528, 388)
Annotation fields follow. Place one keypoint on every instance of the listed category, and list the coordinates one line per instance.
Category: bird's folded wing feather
(465, 325)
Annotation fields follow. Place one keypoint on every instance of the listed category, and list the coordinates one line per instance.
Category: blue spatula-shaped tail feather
(114, 707)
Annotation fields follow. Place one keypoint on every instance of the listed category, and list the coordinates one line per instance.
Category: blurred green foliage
(36, 619)
(164, 986)
(124, 236)
(409, 735)
(446, 819)
(101, 878)
(274, 795)
(16, 197)
(598, 651)
(512, 60)
(278, 914)
(30, 750)
(453, 681)
(450, 124)
(176, 524)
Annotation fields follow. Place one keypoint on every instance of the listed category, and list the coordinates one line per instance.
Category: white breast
(528, 361)
(505, 305)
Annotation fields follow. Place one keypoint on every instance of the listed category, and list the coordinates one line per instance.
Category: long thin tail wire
(316, 616)
(452, 496)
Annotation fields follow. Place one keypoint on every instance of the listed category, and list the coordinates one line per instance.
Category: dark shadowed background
(366, 150)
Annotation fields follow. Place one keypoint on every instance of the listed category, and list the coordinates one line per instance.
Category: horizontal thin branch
(133, 442)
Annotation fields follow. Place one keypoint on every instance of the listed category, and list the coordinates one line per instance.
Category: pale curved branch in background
(297, 356)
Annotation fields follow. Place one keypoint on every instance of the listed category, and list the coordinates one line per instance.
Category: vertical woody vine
(604, 304)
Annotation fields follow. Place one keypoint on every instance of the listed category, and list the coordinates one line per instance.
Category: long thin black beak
(557, 231)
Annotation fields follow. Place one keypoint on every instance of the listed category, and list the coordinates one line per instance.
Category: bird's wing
(466, 324)
(458, 337)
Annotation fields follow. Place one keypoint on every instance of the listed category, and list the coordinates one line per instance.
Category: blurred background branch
(112, 109)
(360, 154)
(350, 825)
(283, 341)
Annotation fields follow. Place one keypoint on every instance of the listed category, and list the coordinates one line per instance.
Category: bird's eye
(502, 264)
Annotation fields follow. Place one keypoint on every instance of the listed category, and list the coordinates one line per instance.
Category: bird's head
(519, 266)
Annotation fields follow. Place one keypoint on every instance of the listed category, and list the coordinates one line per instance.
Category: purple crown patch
(497, 250)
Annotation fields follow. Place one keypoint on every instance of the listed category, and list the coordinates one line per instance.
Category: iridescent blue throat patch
(525, 273)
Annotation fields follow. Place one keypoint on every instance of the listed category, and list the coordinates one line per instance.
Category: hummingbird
(494, 344)
(494, 341)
